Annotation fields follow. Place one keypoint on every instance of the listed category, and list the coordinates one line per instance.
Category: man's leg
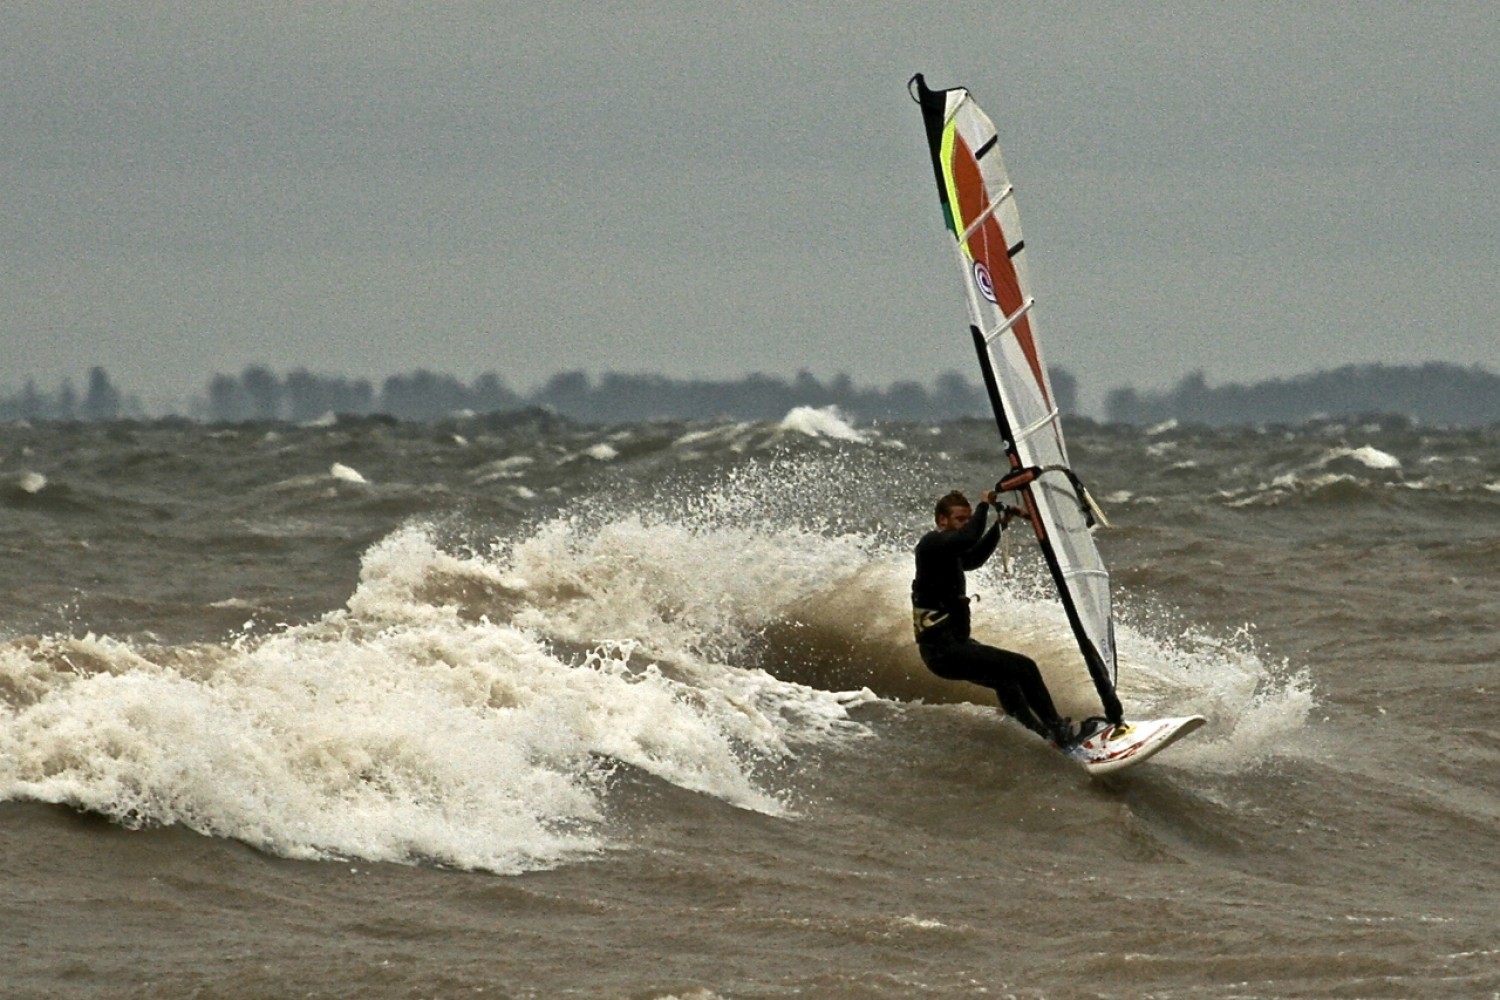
(1023, 694)
(1014, 703)
(1015, 679)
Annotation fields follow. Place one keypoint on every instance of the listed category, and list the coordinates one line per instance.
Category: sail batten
(979, 210)
(1000, 199)
(1042, 422)
(1010, 322)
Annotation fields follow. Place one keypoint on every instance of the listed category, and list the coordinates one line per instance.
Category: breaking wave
(471, 704)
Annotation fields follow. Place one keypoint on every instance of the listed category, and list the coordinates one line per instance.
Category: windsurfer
(940, 615)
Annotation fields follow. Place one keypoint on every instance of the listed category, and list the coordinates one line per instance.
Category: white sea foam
(303, 747)
(464, 709)
(1368, 456)
(1335, 466)
(1165, 670)
(826, 422)
(344, 473)
(31, 482)
(511, 467)
(232, 602)
(713, 435)
(1252, 707)
(603, 451)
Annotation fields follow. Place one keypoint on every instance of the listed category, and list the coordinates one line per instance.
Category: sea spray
(469, 704)
(411, 727)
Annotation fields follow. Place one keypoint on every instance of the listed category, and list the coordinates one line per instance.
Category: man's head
(953, 511)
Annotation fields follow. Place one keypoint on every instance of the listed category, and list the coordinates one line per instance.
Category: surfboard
(1115, 748)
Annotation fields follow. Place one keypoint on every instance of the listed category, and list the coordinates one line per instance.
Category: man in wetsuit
(940, 616)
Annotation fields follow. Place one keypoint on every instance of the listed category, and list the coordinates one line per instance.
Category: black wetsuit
(940, 617)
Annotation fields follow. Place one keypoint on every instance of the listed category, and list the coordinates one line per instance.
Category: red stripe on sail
(989, 246)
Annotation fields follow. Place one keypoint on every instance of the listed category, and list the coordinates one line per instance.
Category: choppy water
(509, 707)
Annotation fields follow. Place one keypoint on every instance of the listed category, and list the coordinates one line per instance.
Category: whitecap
(340, 471)
(468, 710)
(232, 604)
(503, 468)
(715, 435)
(1368, 456)
(602, 451)
(826, 422)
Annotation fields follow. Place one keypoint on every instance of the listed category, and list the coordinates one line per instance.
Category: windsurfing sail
(979, 208)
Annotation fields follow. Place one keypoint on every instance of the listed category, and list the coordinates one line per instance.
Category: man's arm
(984, 547)
(980, 553)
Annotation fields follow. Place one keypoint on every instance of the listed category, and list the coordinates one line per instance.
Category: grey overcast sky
(706, 190)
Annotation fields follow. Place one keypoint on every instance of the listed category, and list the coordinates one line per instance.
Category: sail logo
(983, 280)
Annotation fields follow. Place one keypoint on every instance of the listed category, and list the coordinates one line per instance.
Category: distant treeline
(1431, 393)
(257, 393)
(1428, 394)
(100, 401)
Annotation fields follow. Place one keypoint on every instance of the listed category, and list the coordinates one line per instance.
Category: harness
(924, 620)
